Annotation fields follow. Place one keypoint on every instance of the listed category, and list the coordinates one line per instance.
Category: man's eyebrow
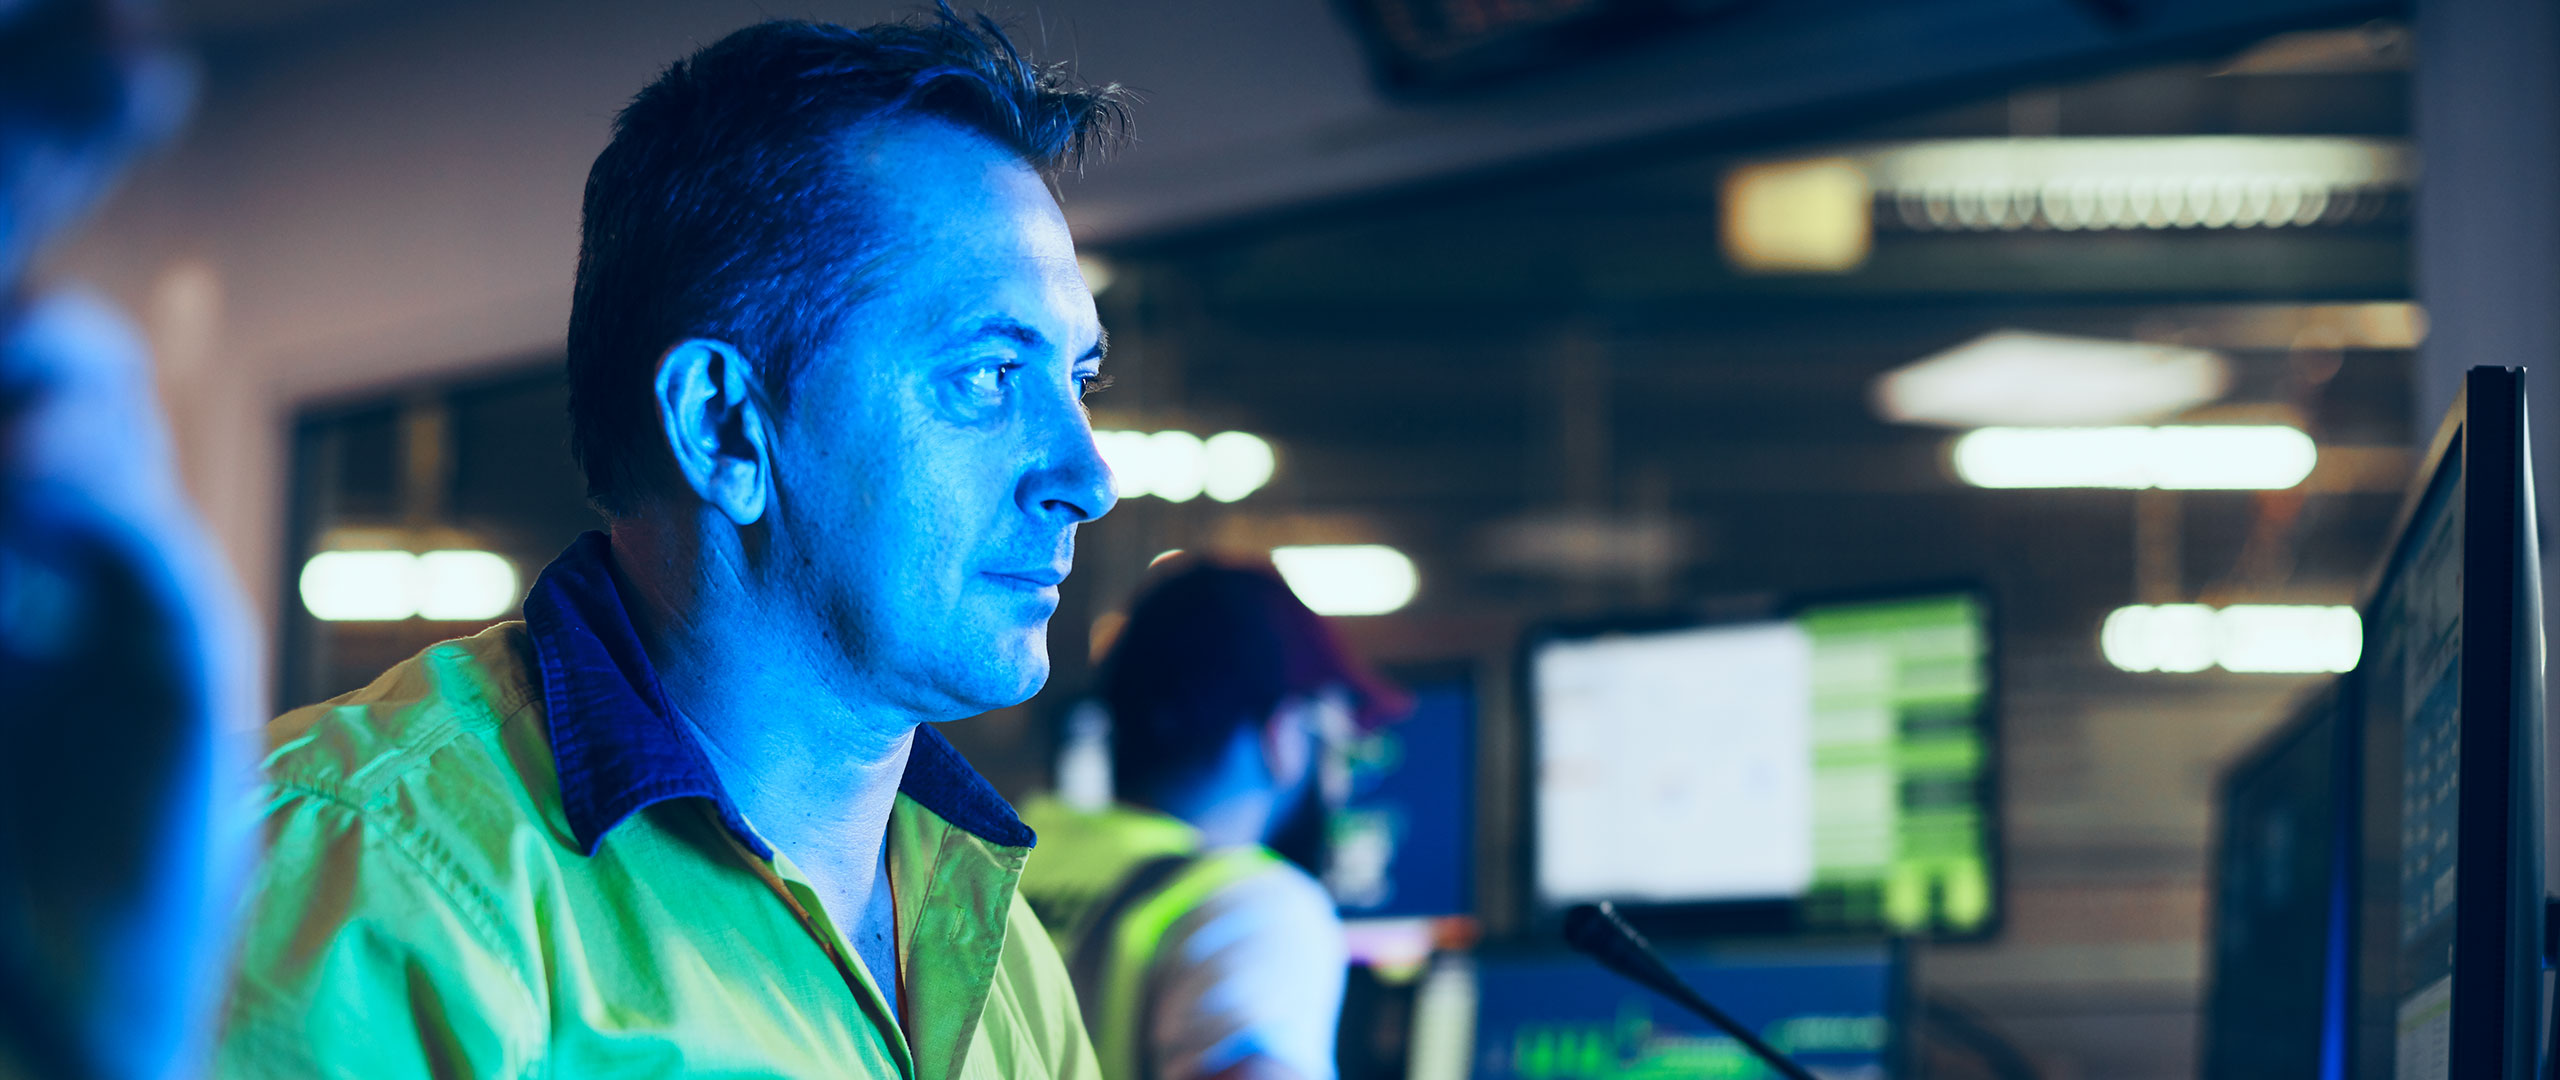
(1016, 331)
(1029, 337)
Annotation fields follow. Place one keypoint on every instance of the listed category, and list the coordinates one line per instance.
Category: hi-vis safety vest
(1109, 885)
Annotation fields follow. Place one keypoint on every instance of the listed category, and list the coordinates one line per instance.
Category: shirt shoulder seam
(413, 839)
(368, 782)
(477, 903)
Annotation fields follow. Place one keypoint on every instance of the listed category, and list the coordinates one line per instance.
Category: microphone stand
(1596, 931)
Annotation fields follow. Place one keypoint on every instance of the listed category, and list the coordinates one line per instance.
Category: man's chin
(1011, 676)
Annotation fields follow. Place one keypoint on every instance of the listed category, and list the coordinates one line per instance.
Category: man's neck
(814, 773)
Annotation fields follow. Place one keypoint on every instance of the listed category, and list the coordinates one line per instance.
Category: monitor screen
(1551, 1016)
(1403, 844)
(2413, 719)
(2277, 1002)
(1836, 761)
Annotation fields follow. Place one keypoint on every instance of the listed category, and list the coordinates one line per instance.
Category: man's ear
(716, 427)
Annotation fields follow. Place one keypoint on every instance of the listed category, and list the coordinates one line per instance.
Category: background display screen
(1403, 845)
(1556, 1016)
(1837, 759)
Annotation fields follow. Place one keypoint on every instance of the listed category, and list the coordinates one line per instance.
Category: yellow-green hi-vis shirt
(505, 858)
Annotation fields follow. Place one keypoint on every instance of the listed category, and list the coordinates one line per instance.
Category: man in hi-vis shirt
(826, 357)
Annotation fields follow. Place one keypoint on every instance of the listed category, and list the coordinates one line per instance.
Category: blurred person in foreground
(1197, 948)
(827, 352)
(128, 668)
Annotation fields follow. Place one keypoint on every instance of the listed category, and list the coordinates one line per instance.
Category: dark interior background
(1565, 339)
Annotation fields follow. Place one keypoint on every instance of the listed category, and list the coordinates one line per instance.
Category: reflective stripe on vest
(1127, 933)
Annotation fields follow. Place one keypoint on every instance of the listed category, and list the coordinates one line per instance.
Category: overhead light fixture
(457, 586)
(2027, 379)
(2179, 638)
(1798, 217)
(1178, 466)
(2247, 638)
(2138, 183)
(2229, 458)
(1238, 465)
(2290, 638)
(1819, 214)
(359, 586)
(387, 586)
(1348, 579)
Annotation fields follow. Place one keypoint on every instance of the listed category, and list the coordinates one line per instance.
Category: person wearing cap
(1196, 948)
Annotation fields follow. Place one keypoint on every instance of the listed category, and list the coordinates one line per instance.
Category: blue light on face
(932, 471)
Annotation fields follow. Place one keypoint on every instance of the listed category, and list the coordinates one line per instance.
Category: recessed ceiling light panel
(2016, 378)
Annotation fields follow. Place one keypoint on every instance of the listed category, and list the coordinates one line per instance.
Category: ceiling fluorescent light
(1347, 579)
(2290, 638)
(1178, 466)
(2173, 182)
(463, 586)
(2179, 638)
(359, 586)
(1238, 465)
(389, 585)
(2024, 379)
(1181, 468)
(2296, 639)
(2233, 458)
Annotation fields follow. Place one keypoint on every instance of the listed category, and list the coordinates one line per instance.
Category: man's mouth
(1036, 577)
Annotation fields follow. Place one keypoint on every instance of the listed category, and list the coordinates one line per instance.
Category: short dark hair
(721, 208)
(1211, 648)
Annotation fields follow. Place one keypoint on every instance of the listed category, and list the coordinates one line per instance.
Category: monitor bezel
(1773, 917)
(2497, 904)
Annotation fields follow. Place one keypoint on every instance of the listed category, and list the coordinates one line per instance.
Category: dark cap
(1219, 637)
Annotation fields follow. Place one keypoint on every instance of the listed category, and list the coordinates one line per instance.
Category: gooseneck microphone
(1596, 931)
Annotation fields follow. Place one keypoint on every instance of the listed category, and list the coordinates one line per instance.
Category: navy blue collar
(619, 747)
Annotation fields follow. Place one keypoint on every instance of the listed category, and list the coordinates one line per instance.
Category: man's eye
(990, 380)
(1089, 385)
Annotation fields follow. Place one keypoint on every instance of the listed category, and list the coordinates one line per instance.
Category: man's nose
(1072, 479)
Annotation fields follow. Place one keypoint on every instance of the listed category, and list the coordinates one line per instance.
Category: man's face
(930, 471)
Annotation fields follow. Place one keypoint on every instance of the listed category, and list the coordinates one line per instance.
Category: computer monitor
(1403, 845)
(1829, 767)
(2450, 857)
(1546, 1016)
(2276, 1004)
